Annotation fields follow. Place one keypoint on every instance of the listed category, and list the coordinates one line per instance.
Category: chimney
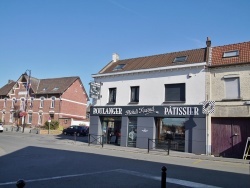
(208, 42)
(115, 57)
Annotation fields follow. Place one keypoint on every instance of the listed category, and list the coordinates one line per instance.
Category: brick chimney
(208, 52)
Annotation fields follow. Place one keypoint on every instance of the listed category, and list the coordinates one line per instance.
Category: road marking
(197, 161)
(169, 180)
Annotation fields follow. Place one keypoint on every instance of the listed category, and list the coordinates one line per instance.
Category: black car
(76, 129)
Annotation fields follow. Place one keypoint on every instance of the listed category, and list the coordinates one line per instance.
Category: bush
(54, 125)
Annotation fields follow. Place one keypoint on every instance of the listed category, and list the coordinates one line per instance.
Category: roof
(156, 61)
(6, 89)
(55, 85)
(44, 86)
(243, 57)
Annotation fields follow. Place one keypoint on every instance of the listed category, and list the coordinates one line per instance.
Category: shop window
(112, 95)
(175, 92)
(132, 131)
(232, 88)
(134, 94)
(52, 105)
(172, 129)
(41, 102)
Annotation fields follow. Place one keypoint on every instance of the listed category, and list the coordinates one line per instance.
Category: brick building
(33, 101)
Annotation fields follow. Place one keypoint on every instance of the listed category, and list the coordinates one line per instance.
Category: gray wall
(195, 135)
(145, 130)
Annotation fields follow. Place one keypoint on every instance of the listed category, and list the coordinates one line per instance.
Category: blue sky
(60, 38)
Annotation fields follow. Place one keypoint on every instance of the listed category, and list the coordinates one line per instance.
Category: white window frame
(40, 118)
(53, 101)
(13, 102)
(41, 102)
(29, 117)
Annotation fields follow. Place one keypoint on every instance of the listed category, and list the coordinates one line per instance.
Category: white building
(157, 97)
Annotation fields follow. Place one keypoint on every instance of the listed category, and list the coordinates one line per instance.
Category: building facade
(156, 97)
(228, 84)
(33, 101)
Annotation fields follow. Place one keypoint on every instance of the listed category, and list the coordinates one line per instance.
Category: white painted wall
(152, 89)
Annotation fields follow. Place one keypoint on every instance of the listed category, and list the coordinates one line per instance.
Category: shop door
(111, 128)
(229, 136)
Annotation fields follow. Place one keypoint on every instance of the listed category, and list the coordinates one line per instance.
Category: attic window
(119, 67)
(180, 59)
(55, 89)
(231, 53)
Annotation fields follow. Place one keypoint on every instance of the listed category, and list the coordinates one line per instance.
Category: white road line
(169, 180)
(133, 173)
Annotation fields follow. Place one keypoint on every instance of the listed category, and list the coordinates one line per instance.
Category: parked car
(79, 130)
(1, 127)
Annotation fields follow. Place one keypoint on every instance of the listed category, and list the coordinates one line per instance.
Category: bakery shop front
(132, 126)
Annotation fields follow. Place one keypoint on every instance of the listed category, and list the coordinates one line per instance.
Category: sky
(63, 38)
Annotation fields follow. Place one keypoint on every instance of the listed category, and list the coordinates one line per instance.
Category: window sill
(177, 102)
(110, 103)
(133, 103)
(239, 99)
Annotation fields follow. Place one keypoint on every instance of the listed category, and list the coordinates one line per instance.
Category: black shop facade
(132, 126)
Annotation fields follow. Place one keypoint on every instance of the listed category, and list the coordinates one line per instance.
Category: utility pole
(27, 95)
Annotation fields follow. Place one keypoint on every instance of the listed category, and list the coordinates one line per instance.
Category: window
(232, 88)
(22, 104)
(40, 118)
(175, 92)
(55, 89)
(4, 103)
(29, 117)
(14, 100)
(41, 102)
(134, 94)
(231, 53)
(119, 67)
(11, 117)
(180, 59)
(112, 95)
(52, 102)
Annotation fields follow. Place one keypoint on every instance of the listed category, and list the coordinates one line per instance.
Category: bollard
(163, 177)
(20, 183)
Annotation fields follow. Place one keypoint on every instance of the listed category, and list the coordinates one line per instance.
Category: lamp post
(26, 97)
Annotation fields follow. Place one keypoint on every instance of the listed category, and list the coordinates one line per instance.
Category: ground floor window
(29, 118)
(132, 131)
(172, 129)
(111, 130)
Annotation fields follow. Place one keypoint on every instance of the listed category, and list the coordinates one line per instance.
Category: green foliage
(54, 125)
(0, 120)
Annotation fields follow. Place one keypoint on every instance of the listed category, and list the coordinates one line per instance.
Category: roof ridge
(162, 54)
(231, 44)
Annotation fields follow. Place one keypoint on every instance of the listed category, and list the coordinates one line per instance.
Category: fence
(95, 139)
(158, 144)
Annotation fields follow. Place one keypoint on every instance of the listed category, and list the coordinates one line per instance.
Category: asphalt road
(61, 161)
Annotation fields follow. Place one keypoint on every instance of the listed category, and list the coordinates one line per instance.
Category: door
(111, 129)
(229, 136)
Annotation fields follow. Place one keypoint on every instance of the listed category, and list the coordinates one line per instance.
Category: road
(60, 161)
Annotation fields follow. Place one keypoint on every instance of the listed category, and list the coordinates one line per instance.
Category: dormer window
(231, 53)
(180, 59)
(119, 67)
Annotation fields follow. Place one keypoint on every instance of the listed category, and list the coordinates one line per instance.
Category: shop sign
(95, 89)
(153, 111)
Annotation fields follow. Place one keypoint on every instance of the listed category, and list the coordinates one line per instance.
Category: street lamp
(27, 94)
